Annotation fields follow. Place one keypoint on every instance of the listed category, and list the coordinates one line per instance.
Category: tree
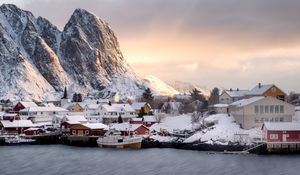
(79, 97)
(196, 95)
(74, 99)
(120, 119)
(147, 95)
(292, 96)
(65, 94)
(142, 112)
(214, 97)
(195, 118)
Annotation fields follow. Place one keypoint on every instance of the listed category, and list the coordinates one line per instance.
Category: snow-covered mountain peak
(159, 87)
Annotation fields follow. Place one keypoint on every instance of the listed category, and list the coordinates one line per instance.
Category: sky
(213, 43)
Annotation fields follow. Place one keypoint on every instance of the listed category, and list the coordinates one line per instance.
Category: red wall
(18, 107)
(35, 132)
(293, 136)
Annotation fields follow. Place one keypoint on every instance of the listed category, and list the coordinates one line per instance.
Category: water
(67, 160)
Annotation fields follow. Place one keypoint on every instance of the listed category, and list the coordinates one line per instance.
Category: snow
(260, 90)
(181, 122)
(163, 138)
(220, 105)
(44, 109)
(237, 93)
(245, 102)
(118, 107)
(223, 131)
(28, 104)
(96, 126)
(149, 118)
(74, 118)
(159, 87)
(125, 126)
(138, 106)
(17, 123)
(282, 126)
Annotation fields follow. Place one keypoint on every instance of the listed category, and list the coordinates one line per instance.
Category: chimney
(259, 85)
(237, 89)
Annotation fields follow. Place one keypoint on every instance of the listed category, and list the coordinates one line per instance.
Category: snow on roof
(220, 105)
(17, 123)
(237, 93)
(282, 126)
(9, 115)
(137, 119)
(259, 90)
(245, 102)
(95, 125)
(138, 106)
(149, 118)
(2, 113)
(125, 126)
(44, 109)
(48, 105)
(27, 104)
(75, 118)
(33, 129)
(118, 107)
(92, 106)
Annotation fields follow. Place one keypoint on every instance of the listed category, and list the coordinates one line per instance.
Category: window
(276, 109)
(276, 119)
(281, 108)
(256, 120)
(266, 109)
(273, 136)
(266, 119)
(261, 120)
(281, 119)
(87, 132)
(271, 109)
(261, 108)
(74, 132)
(256, 109)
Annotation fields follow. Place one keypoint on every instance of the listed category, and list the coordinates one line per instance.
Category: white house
(253, 112)
(110, 113)
(41, 113)
(230, 96)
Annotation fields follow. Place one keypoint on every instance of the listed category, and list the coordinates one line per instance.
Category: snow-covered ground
(181, 122)
(223, 131)
(297, 114)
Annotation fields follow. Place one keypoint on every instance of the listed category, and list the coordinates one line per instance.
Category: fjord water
(67, 160)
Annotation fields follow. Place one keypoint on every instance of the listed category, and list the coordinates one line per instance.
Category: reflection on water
(67, 160)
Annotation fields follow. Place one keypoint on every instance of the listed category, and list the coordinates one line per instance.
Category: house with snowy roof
(132, 129)
(254, 111)
(232, 95)
(88, 129)
(139, 105)
(22, 105)
(270, 90)
(15, 126)
(68, 120)
(73, 107)
(110, 112)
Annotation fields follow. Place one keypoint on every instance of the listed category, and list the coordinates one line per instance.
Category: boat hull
(121, 146)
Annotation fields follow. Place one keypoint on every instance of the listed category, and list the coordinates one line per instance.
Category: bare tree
(159, 117)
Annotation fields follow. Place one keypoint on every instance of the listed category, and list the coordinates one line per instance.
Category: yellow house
(268, 90)
(138, 106)
(74, 107)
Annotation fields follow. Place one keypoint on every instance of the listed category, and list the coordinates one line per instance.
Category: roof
(118, 107)
(125, 126)
(245, 102)
(70, 105)
(75, 119)
(259, 90)
(33, 129)
(236, 93)
(137, 119)
(44, 109)
(220, 105)
(28, 104)
(17, 123)
(92, 106)
(95, 125)
(10, 115)
(282, 126)
(149, 118)
(138, 106)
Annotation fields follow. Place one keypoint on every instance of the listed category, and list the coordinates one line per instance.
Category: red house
(34, 131)
(126, 128)
(9, 116)
(22, 105)
(15, 126)
(149, 120)
(88, 129)
(136, 120)
(281, 135)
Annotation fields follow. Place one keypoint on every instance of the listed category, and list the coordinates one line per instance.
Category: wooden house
(88, 129)
(127, 128)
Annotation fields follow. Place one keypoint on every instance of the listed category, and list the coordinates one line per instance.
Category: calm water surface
(67, 160)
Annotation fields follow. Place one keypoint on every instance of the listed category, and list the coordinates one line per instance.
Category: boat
(114, 139)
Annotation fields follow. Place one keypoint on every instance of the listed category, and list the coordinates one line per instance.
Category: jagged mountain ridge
(37, 59)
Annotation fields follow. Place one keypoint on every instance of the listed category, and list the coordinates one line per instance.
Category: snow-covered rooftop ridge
(75, 118)
(282, 126)
(220, 105)
(44, 109)
(95, 125)
(236, 93)
(138, 105)
(17, 123)
(260, 89)
(125, 126)
(245, 102)
(28, 104)
(149, 118)
(118, 107)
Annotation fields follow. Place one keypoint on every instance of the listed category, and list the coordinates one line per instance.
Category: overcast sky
(228, 43)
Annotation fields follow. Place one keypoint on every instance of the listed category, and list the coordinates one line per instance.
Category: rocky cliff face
(37, 59)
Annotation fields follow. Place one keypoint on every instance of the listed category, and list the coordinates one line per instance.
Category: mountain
(186, 87)
(38, 60)
(158, 87)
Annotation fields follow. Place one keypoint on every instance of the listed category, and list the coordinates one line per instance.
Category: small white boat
(114, 139)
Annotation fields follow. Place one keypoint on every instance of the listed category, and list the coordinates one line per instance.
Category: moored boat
(114, 139)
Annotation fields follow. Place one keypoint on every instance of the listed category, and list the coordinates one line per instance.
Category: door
(80, 132)
(284, 136)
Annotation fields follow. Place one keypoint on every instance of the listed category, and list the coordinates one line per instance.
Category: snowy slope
(186, 87)
(181, 122)
(159, 87)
